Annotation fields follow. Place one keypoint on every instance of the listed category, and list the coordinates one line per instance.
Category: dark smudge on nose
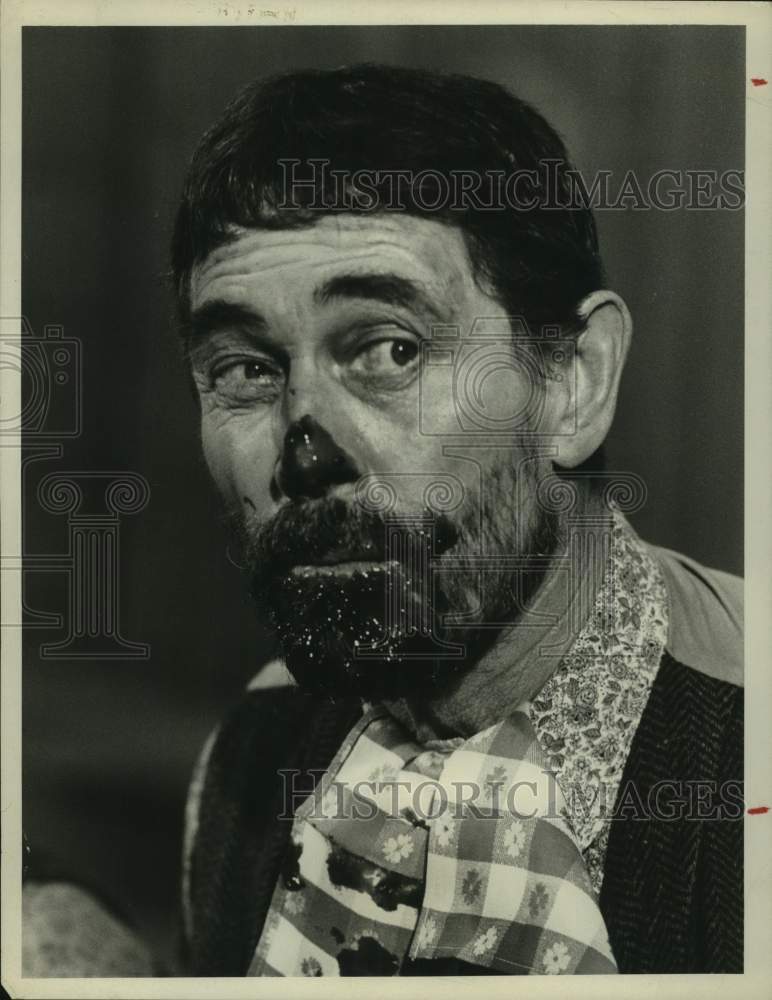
(312, 462)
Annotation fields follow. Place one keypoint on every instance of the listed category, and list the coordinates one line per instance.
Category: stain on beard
(322, 620)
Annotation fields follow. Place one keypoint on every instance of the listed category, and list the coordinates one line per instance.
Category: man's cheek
(240, 464)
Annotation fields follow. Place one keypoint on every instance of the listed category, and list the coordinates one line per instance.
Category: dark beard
(380, 633)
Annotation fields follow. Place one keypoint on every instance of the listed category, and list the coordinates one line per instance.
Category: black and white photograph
(384, 503)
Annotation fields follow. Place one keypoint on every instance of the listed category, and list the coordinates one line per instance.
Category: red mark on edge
(758, 81)
(758, 810)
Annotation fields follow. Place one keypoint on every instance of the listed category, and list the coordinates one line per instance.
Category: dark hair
(540, 261)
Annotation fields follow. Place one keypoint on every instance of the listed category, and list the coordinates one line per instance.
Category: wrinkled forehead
(426, 251)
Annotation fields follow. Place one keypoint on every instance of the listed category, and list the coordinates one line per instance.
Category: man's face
(346, 461)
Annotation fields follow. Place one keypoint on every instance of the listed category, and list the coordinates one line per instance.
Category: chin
(343, 634)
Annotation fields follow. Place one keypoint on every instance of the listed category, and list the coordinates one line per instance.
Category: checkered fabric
(459, 848)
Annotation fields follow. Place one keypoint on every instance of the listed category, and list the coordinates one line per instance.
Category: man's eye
(247, 381)
(386, 357)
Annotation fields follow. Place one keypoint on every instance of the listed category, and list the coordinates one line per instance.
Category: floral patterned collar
(587, 713)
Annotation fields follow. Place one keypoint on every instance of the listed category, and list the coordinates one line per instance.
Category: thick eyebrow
(390, 289)
(218, 316)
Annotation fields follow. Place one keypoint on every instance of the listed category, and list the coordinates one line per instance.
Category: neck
(526, 654)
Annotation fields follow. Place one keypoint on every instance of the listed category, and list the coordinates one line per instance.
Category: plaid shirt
(458, 850)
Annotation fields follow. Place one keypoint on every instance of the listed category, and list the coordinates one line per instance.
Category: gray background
(110, 117)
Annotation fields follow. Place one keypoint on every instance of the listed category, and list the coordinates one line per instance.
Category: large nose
(311, 461)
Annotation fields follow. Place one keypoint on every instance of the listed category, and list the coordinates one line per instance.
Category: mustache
(330, 530)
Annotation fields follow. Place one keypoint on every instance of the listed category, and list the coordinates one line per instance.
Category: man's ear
(588, 390)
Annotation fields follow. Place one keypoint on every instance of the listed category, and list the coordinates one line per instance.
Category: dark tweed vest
(672, 894)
